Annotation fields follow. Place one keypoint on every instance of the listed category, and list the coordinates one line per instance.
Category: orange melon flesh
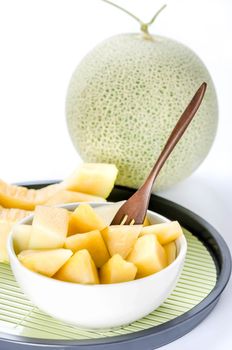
(117, 270)
(171, 252)
(93, 178)
(46, 262)
(93, 242)
(120, 239)
(49, 228)
(148, 255)
(80, 268)
(165, 232)
(21, 237)
(65, 196)
(146, 221)
(12, 196)
(84, 219)
(5, 228)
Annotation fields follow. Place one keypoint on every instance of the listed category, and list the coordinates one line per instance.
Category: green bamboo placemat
(19, 316)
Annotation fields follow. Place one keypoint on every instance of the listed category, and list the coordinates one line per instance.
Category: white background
(42, 41)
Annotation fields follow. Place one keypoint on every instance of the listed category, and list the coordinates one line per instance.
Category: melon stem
(143, 25)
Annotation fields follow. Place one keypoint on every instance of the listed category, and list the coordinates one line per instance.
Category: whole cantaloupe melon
(126, 96)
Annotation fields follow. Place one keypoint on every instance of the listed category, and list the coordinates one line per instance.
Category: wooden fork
(133, 211)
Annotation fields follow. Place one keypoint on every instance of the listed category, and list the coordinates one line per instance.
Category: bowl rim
(13, 257)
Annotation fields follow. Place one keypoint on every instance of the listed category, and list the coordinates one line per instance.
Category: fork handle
(176, 134)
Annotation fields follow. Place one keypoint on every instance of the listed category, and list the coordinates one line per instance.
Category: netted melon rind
(124, 99)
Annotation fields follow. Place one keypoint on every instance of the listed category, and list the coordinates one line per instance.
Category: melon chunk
(80, 268)
(49, 228)
(120, 239)
(93, 178)
(93, 242)
(148, 255)
(146, 221)
(47, 262)
(171, 252)
(117, 270)
(108, 212)
(165, 232)
(21, 237)
(5, 228)
(84, 219)
(65, 196)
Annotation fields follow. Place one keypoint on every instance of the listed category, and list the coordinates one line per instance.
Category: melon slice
(80, 268)
(120, 239)
(13, 214)
(93, 242)
(93, 178)
(47, 262)
(21, 237)
(117, 270)
(165, 232)
(64, 196)
(49, 228)
(12, 196)
(84, 219)
(5, 228)
(148, 255)
(171, 252)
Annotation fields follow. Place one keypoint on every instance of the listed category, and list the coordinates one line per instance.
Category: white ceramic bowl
(99, 306)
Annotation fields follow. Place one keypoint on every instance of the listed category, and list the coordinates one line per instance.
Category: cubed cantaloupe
(44, 261)
(146, 221)
(84, 219)
(65, 196)
(148, 255)
(171, 251)
(80, 268)
(93, 242)
(5, 228)
(93, 178)
(21, 237)
(49, 228)
(165, 232)
(117, 270)
(120, 239)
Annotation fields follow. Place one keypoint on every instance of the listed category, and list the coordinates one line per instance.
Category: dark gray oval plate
(165, 333)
